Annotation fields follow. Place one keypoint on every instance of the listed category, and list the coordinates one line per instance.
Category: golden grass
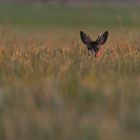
(51, 88)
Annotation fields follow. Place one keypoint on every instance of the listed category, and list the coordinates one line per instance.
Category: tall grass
(61, 92)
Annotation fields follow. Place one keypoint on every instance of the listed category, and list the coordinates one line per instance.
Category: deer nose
(99, 53)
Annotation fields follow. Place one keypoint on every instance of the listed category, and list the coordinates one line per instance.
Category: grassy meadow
(51, 88)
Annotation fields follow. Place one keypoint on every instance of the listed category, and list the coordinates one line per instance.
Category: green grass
(100, 16)
(52, 89)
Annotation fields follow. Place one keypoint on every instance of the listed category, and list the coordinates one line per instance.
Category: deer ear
(85, 38)
(102, 38)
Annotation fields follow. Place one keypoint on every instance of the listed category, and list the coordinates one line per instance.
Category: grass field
(52, 89)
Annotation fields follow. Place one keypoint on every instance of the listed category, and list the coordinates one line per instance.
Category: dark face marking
(94, 46)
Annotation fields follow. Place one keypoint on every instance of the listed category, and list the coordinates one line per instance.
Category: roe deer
(94, 46)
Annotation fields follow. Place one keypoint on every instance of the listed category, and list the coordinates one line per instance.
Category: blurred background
(70, 1)
(64, 12)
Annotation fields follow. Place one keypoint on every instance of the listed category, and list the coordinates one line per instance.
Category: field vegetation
(51, 88)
